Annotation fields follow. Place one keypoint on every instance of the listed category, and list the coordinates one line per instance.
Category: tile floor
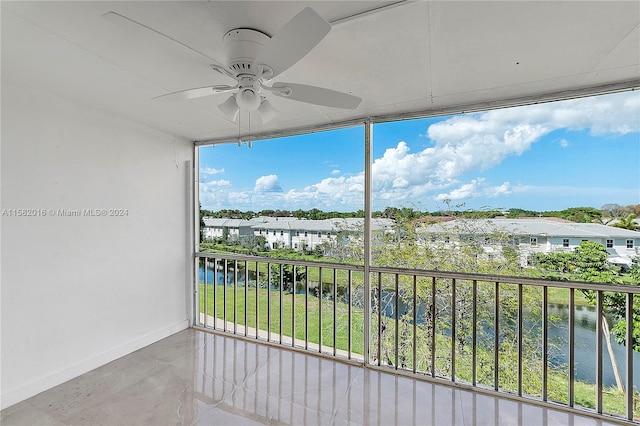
(194, 377)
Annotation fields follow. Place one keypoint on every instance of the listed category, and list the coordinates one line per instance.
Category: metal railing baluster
(453, 329)
(396, 309)
(335, 305)
(520, 347)
(545, 343)
(269, 302)
(415, 325)
(349, 322)
(599, 335)
(572, 345)
(293, 309)
(629, 356)
(433, 327)
(215, 293)
(474, 332)
(206, 291)
(496, 337)
(280, 301)
(246, 297)
(225, 278)
(306, 310)
(319, 310)
(379, 301)
(235, 297)
(257, 300)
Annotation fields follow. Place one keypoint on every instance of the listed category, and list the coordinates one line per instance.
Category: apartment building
(541, 235)
(289, 232)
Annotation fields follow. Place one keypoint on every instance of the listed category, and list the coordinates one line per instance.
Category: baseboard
(21, 393)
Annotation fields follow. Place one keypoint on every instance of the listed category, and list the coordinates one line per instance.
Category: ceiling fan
(253, 59)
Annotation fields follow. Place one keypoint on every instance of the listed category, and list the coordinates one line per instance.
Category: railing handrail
(275, 260)
(504, 279)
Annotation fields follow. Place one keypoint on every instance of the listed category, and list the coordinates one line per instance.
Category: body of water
(585, 338)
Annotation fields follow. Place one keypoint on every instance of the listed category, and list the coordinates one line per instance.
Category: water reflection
(585, 337)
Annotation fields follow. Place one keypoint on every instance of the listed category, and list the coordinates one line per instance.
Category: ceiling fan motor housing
(242, 46)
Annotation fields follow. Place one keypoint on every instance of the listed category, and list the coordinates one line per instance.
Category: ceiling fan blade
(185, 95)
(131, 24)
(316, 95)
(293, 41)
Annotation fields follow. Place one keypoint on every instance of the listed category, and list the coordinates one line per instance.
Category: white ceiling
(422, 56)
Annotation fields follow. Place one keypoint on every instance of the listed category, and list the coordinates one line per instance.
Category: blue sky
(581, 152)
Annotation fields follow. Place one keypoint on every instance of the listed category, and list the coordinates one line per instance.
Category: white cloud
(339, 185)
(211, 171)
(214, 194)
(499, 190)
(240, 198)
(468, 190)
(474, 189)
(479, 142)
(343, 190)
(335, 172)
(215, 184)
(267, 183)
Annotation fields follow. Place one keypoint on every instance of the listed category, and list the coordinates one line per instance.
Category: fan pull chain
(239, 119)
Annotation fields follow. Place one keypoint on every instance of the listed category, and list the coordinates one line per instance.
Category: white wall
(78, 292)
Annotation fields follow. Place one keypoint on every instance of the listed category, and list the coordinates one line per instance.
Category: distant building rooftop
(537, 226)
(289, 223)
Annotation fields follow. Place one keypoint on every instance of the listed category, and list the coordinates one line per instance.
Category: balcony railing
(515, 336)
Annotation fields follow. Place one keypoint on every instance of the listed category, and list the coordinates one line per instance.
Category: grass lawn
(561, 296)
(298, 312)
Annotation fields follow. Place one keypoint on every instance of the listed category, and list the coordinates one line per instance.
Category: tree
(515, 213)
(591, 263)
(390, 212)
(613, 211)
(561, 262)
(617, 308)
(255, 243)
(288, 277)
(315, 214)
(588, 262)
(627, 222)
(634, 272)
(581, 214)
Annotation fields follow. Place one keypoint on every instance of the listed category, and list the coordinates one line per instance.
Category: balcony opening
(424, 273)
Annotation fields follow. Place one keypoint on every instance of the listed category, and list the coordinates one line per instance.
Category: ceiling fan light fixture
(248, 100)
(230, 108)
(267, 111)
